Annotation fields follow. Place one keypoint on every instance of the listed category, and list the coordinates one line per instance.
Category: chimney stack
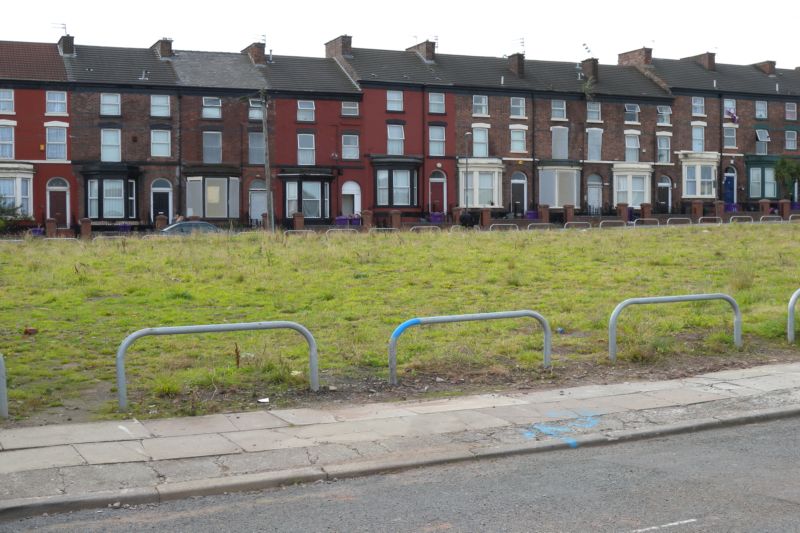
(590, 69)
(342, 46)
(707, 61)
(640, 57)
(257, 53)
(516, 63)
(163, 47)
(66, 45)
(767, 67)
(426, 50)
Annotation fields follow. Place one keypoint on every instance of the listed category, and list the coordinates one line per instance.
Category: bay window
(16, 192)
(310, 197)
(762, 183)
(212, 197)
(631, 189)
(111, 198)
(699, 181)
(559, 187)
(395, 187)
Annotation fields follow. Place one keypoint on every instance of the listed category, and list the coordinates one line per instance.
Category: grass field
(351, 292)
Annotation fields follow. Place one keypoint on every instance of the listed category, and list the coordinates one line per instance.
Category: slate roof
(396, 67)
(31, 61)
(611, 79)
(687, 74)
(223, 70)
(130, 66)
(292, 73)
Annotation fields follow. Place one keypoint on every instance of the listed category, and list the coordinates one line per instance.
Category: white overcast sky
(738, 31)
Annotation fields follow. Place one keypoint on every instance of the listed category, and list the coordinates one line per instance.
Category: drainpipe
(179, 170)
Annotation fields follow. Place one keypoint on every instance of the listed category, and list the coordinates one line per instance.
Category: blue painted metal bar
(122, 386)
(463, 318)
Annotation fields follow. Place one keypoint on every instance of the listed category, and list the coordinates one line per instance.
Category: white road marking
(665, 526)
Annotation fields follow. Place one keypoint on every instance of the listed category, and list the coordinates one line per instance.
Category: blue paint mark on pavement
(563, 430)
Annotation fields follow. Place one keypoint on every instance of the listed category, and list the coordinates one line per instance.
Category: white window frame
(697, 170)
(55, 105)
(208, 147)
(350, 146)
(109, 151)
(394, 100)
(51, 144)
(255, 110)
(470, 190)
(663, 148)
(762, 110)
(306, 154)
(480, 105)
(558, 110)
(728, 106)
(729, 136)
(663, 113)
(520, 104)
(212, 107)
(698, 138)
(436, 141)
(698, 106)
(6, 101)
(435, 105)
(762, 142)
(160, 109)
(632, 148)
(118, 199)
(594, 112)
(623, 185)
(349, 109)
(306, 111)
(19, 199)
(395, 144)
(160, 139)
(255, 148)
(631, 115)
(518, 145)
(8, 142)
(110, 104)
(791, 110)
(559, 173)
(790, 139)
(757, 188)
(597, 134)
(480, 146)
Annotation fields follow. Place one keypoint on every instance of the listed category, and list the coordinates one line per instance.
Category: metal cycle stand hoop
(790, 320)
(122, 386)
(3, 389)
(464, 318)
(612, 322)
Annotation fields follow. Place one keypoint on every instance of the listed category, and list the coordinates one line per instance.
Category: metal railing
(613, 224)
(740, 219)
(679, 221)
(770, 219)
(504, 227)
(646, 222)
(415, 229)
(122, 386)
(792, 218)
(382, 230)
(299, 232)
(464, 318)
(790, 320)
(612, 323)
(710, 220)
(3, 388)
(340, 231)
(578, 225)
(541, 225)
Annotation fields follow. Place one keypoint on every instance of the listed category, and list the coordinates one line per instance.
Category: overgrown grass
(351, 291)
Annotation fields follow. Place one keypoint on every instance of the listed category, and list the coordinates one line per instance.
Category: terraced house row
(119, 135)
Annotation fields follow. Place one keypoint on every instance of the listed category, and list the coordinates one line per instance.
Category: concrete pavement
(66, 467)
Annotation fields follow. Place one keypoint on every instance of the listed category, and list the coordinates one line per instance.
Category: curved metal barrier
(382, 230)
(740, 219)
(299, 232)
(504, 227)
(710, 220)
(770, 219)
(646, 222)
(540, 225)
(792, 218)
(612, 323)
(790, 321)
(340, 230)
(425, 228)
(463, 318)
(679, 221)
(612, 224)
(3, 389)
(578, 225)
(122, 386)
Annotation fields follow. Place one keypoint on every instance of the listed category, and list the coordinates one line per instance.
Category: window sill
(632, 123)
(523, 152)
(594, 122)
(518, 117)
(440, 113)
(350, 116)
(306, 122)
(10, 113)
(395, 111)
(480, 115)
(161, 117)
(102, 116)
(553, 119)
(664, 125)
(699, 115)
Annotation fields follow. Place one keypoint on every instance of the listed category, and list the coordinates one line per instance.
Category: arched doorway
(351, 198)
(161, 200)
(437, 193)
(519, 193)
(58, 201)
(664, 195)
(257, 201)
(594, 194)
(729, 186)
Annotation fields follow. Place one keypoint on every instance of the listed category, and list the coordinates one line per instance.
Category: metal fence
(464, 318)
(3, 388)
(122, 386)
(612, 323)
(790, 320)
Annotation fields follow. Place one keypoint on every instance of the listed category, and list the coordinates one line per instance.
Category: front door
(348, 205)
(664, 196)
(258, 206)
(518, 203)
(728, 189)
(594, 198)
(58, 207)
(437, 197)
(161, 204)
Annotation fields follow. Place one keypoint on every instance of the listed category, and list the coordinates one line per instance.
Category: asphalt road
(745, 478)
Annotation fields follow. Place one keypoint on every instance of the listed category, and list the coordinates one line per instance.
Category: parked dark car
(190, 226)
